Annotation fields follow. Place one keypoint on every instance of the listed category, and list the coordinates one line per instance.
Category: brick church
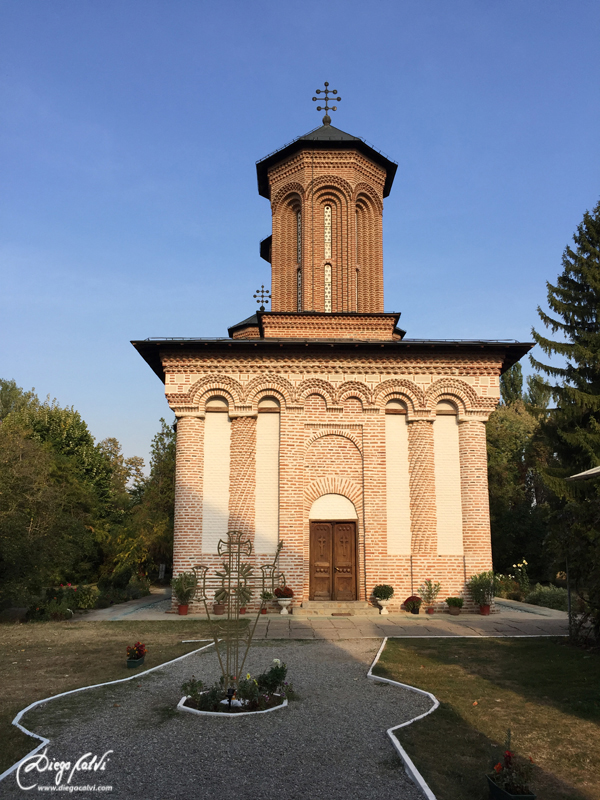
(318, 422)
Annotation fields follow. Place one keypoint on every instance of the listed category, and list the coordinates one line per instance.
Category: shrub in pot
(383, 593)
(481, 589)
(184, 587)
(219, 606)
(413, 604)
(428, 592)
(265, 597)
(454, 605)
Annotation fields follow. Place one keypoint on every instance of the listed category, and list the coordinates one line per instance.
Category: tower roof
(323, 138)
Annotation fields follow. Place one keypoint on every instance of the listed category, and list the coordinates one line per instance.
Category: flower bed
(248, 695)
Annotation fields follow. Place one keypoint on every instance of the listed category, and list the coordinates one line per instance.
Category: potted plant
(454, 605)
(511, 776)
(383, 593)
(413, 604)
(265, 597)
(284, 596)
(184, 586)
(220, 601)
(136, 655)
(429, 591)
(481, 589)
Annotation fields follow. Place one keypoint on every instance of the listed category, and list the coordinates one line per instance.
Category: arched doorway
(333, 569)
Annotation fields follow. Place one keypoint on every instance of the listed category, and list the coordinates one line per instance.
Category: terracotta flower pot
(430, 610)
(484, 610)
(243, 610)
(182, 610)
(263, 611)
(218, 609)
(454, 610)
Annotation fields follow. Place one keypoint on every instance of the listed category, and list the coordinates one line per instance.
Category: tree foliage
(72, 509)
(572, 429)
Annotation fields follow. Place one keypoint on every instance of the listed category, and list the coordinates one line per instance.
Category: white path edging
(44, 741)
(182, 707)
(412, 772)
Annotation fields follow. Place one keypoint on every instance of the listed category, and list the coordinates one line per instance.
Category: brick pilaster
(474, 496)
(242, 479)
(422, 487)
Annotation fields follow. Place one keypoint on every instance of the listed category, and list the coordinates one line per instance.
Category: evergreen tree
(572, 429)
(511, 385)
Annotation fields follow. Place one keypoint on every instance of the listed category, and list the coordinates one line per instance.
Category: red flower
(498, 767)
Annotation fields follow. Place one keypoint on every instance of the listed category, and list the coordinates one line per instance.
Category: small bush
(383, 591)
(549, 597)
(53, 610)
(274, 679)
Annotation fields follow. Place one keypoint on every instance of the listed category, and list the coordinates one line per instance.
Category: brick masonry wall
(332, 439)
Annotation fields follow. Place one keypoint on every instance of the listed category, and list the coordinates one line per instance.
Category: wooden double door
(333, 561)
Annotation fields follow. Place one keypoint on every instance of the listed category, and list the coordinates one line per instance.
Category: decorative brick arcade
(322, 411)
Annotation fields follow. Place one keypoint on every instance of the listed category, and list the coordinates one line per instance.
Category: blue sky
(128, 139)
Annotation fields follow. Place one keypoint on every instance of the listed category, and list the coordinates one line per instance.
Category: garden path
(332, 743)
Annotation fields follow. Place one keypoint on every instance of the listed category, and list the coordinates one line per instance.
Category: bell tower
(326, 190)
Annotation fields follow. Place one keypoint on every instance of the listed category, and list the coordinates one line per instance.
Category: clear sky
(128, 139)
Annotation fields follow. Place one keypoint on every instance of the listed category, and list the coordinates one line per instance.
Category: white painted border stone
(412, 772)
(182, 707)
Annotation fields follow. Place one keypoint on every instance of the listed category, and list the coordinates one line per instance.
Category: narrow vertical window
(328, 288)
(299, 259)
(299, 238)
(327, 231)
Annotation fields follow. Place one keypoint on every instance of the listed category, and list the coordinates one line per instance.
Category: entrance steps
(334, 608)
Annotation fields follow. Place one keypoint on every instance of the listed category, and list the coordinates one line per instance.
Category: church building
(318, 422)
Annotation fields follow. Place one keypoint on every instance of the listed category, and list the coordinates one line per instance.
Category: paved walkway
(510, 619)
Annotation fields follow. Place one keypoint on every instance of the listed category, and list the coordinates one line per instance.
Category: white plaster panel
(215, 489)
(266, 535)
(333, 507)
(397, 485)
(447, 486)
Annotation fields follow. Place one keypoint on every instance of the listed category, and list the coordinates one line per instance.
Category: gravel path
(331, 744)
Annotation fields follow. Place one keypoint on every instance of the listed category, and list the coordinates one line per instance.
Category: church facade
(318, 422)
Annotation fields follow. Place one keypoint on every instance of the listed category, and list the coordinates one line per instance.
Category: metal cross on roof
(263, 296)
(327, 107)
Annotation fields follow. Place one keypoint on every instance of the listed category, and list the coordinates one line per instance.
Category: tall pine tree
(572, 429)
(574, 426)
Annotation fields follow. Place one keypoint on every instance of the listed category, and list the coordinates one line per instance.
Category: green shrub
(454, 602)
(383, 591)
(481, 588)
(273, 680)
(53, 610)
(549, 597)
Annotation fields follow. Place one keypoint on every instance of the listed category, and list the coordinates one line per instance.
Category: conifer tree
(511, 385)
(573, 427)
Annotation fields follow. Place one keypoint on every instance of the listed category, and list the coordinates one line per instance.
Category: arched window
(299, 259)
(327, 231)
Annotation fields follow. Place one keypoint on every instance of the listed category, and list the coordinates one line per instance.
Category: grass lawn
(46, 658)
(546, 691)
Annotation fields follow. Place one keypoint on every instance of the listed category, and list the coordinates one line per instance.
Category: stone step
(329, 608)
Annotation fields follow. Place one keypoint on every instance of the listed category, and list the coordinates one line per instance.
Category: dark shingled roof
(323, 138)
(245, 323)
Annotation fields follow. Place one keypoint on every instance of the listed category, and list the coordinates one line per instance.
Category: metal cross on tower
(263, 296)
(327, 107)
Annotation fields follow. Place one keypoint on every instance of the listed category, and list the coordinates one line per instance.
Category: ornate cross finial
(327, 107)
(263, 296)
